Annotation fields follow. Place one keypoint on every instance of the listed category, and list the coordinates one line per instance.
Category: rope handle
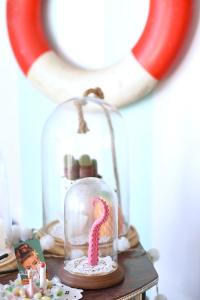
(83, 128)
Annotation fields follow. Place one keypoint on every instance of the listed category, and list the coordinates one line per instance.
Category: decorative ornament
(130, 80)
(93, 249)
(123, 244)
(43, 279)
(86, 166)
(153, 254)
(71, 167)
(81, 168)
(31, 288)
(107, 227)
(47, 242)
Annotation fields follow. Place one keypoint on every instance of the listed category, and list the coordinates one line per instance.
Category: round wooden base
(91, 282)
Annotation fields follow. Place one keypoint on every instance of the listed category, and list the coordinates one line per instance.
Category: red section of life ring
(154, 53)
(163, 35)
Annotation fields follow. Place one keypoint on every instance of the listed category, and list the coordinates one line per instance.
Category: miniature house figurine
(5, 220)
(91, 234)
(84, 137)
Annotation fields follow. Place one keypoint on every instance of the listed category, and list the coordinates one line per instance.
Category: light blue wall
(34, 110)
(139, 122)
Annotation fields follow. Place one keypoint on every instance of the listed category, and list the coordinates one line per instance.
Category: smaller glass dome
(91, 228)
(5, 220)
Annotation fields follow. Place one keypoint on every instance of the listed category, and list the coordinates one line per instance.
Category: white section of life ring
(122, 83)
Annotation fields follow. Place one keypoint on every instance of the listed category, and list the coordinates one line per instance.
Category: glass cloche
(5, 218)
(84, 137)
(91, 234)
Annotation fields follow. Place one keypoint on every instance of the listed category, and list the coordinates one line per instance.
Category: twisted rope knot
(83, 128)
(95, 91)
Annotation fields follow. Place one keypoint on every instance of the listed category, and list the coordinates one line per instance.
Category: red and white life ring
(125, 82)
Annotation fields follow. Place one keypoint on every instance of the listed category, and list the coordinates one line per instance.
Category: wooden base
(91, 282)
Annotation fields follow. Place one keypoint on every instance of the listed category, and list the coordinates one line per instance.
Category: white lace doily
(81, 266)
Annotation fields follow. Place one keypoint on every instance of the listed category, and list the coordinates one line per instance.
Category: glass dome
(5, 219)
(83, 137)
(91, 230)
(87, 201)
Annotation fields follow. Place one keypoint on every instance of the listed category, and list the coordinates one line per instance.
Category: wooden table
(140, 276)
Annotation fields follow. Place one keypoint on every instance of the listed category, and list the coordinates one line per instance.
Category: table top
(140, 275)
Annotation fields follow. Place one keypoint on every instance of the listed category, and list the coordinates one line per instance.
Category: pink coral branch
(93, 248)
